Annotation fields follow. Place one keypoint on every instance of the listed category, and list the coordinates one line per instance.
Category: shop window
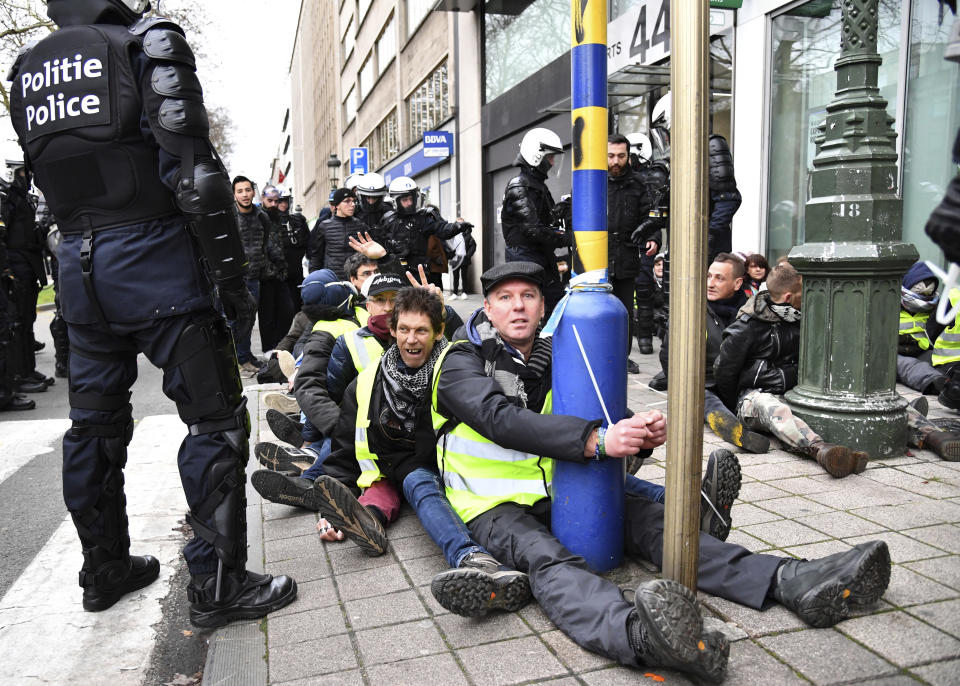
(805, 43)
(931, 118)
(518, 45)
(429, 104)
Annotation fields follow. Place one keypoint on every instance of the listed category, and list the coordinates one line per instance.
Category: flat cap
(528, 271)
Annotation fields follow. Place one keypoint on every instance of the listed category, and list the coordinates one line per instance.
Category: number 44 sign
(641, 35)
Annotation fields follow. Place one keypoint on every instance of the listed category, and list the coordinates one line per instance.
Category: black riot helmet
(80, 12)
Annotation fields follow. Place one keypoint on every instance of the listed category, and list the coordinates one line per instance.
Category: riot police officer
(408, 229)
(110, 115)
(529, 228)
(295, 234)
(9, 333)
(372, 204)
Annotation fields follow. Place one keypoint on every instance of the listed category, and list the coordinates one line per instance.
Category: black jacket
(275, 262)
(407, 235)
(718, 319)
(310, 384)
(295, 236)
(759, 351)
(628, 206)
(467, 394)
(526, 218)
(396, 457)
(329, 247)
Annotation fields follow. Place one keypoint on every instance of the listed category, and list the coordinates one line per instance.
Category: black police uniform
(408, 235)
(112, 123)
(528, 230)
(295, 234)
(9, 336)
(656, 180)
(725, 199)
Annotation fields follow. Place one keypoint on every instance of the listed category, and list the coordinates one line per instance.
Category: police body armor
(96, 172)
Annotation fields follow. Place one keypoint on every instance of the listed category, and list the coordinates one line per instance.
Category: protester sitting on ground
(757, 364)
(757, 269)
(383, 444)
(336, 316)
(918, 331)
(489, 395)
(946, 355)
(724, 298)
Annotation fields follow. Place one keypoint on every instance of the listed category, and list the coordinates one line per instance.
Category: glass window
(429, 104)
(349, 40)
(386, 46)
(364, 6)
(350, 106)
(931, 118)
(367, 77)
(384, 142)
(517, 45)
(805, 43)
(416, 11)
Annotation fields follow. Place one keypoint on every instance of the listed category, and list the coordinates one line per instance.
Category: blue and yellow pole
(590, 340)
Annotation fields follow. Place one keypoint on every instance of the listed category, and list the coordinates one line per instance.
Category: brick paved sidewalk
(362, 620)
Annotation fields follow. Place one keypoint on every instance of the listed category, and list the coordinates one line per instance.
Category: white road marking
(22, 441)
(45, 635)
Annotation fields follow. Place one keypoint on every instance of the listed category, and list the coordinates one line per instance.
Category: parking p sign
(359, 158)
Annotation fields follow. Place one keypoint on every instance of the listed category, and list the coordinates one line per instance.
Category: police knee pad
(207, 361)
(220, 519)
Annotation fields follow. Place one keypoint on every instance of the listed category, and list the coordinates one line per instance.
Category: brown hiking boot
(946, 444)
(838, 460)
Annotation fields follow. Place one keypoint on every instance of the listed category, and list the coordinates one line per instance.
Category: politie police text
(56, 73)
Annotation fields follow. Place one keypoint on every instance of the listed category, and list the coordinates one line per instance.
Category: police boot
(231, 593)
(109, 571)
(950, 395)
(665, 630)
(821, 591)
(105, 579)
(645, 325)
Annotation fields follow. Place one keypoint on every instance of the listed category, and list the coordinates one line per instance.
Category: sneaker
(821, 591)
(281, 402)
(632, 367)
(665, 630)
(345, 513)
(720, 487)
(288, 365)
(284, 490)
(463, 296)
(286, 429)
(481, 584)
(248, 370)
(283, 458)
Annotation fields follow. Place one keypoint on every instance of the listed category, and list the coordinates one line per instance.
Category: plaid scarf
(405, 389)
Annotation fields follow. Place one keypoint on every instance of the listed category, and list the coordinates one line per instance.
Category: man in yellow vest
(946, 356)
(490, 403)
(918, 330)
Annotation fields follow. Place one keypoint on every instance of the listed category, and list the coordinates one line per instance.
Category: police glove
(466, 228)
(238, 302)
(642, 233)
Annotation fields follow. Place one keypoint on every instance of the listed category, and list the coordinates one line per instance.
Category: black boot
(726, 425)
(645, 345)
(950, 395)
(286, 429)
(665, 630)
(105, 579)
(240, 595)
(658, 382)
(481, 584)
(720, 487)
(15, 401)
(821, 591)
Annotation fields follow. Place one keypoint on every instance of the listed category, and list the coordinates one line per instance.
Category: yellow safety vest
(946, 349)
(915, 325)
(363, 349)
(335, 327)
(362, 315)
(477, 473)
(369, 471)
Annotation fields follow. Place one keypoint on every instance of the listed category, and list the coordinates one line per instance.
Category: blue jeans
(424, 492)
(321, 449)
(644, 489)
(242, 328)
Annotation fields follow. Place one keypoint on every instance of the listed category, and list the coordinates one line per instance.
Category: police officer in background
(295, 234)
(25, 258)
(9, 333)
(409, 227)
(526, 216)
(110, 115)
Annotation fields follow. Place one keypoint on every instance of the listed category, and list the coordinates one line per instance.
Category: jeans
(242, 328)
(321, 449)
(644, 489)
(424, 492)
